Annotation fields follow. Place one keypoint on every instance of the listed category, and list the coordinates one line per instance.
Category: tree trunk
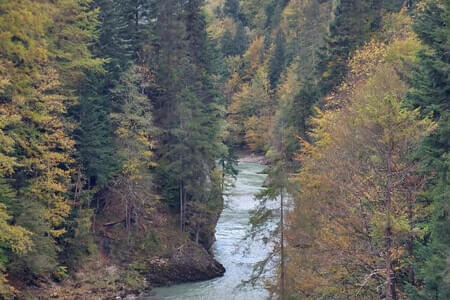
(78, 187)
(127, 221)
(390, 287)
(223, 174)
(390, 284)
(185, 219)
(181, 205)
(411, 276)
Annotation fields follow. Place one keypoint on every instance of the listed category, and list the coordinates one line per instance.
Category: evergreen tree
(273, 10)
(237, 44)
(94, 135)
(231, 8)
(122, 33)
(115, 41)
(125, 29)
(352, 22)
(227, 42)
(277, 62)
(187, 108)
(431, 94)
(240, 39)
(295, 116)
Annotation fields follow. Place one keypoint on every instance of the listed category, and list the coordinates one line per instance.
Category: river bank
(157, 254)
(232, 247)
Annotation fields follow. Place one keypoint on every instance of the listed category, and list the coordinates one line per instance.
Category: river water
(230, 249)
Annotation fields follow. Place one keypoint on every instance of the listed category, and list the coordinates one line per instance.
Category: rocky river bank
(157, 254)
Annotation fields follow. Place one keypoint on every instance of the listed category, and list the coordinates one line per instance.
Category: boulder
(190, 262)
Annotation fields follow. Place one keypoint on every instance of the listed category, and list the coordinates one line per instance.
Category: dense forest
(121, 120)
(349, 101)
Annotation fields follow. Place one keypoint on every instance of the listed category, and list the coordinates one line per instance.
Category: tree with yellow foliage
(351, 223)
(43, 53)
(356, 213)
(251, 111)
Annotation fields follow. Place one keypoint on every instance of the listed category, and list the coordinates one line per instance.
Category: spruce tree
(231, 8)
(240, 39)
(353, 20)
(431, 94)
(228, 46)
(277, 62)
(94, 135)
(115, 41)
(237, 44)
(186, 104)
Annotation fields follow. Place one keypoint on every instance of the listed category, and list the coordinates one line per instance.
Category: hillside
(121, 123)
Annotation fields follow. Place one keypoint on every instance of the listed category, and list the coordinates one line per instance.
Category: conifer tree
(231, 8)
(240, 39)
(430, 93)
(115, 41)
(277, 62)
(237, 44)
(350, 26)
(94, 135)
(228, 46)
(187, 109)
(13, 238)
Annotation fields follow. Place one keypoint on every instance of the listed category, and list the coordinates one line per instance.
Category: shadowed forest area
(122, 123)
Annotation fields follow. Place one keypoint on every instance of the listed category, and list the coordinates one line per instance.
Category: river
(237, 256)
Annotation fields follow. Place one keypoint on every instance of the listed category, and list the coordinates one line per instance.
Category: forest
(122, 122)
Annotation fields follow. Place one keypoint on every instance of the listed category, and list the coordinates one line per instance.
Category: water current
(239, 256)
